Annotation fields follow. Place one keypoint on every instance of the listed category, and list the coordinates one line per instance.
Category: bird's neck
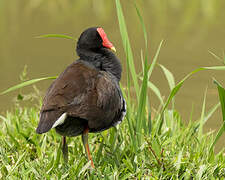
(87, 54)
(102, 59)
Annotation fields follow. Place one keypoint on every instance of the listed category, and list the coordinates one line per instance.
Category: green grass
(157, 145)
(177, 152)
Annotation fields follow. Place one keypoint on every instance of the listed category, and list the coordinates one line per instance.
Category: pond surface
(189, 29)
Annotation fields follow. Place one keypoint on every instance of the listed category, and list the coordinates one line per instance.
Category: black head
(94, 38)
(93, 46)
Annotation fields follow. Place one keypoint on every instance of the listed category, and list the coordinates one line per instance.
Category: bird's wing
(68, 89)
(108, 102)
(101, 104)
(80, 91)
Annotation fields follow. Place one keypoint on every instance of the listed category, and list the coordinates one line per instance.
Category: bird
(86, 97)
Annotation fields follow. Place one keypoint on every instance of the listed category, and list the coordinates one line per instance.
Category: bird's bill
(113, 49)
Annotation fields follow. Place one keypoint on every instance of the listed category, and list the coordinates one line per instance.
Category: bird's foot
(85, 143)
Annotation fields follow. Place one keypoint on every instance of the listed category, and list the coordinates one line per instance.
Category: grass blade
(178, 86)
(156, 91)
(56, 36)
(202, 117)
(220, 68)
(169, 77)
(141, 112)
(179, 161)
(155, 59)
(143, 26)
(26, 83)
(210, 112)
(17, 164)
(57, 156)
(171, 82)
(126, 46)
(85, 168)
(218, 135)
(208, 115)
(221, 92)
(200, 172)
(217, 57)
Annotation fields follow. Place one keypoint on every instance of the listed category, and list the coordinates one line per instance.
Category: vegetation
(148, 144)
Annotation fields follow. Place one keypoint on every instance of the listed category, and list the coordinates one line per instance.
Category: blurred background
(190, 29)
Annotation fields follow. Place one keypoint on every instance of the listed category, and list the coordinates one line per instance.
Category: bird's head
(93, 39)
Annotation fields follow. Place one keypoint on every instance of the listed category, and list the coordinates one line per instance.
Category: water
(189, 29)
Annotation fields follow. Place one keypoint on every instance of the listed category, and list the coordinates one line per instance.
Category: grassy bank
(151, 144)
(178, 152)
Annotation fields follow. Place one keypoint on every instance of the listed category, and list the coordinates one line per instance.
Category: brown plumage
(86, 97)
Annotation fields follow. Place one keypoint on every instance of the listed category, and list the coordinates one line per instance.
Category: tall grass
(140, 116)
(144, 146)
(221, 92)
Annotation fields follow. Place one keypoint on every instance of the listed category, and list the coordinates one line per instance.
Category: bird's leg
(85, 143)
(64, 149)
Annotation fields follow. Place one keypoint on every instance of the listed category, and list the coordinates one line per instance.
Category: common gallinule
(86, 97)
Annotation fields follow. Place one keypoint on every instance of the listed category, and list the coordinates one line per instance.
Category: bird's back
(86, 95)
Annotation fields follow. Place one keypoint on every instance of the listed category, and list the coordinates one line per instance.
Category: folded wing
(84, 93)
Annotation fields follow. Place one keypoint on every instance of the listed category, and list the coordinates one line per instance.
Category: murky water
(189, 29)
